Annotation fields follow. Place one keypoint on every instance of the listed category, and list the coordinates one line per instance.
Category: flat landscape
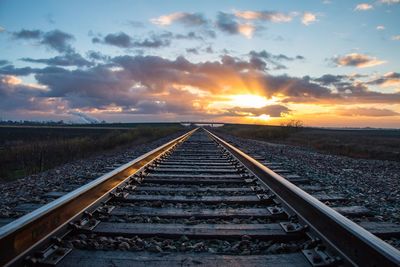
(30, 149)
(381, 144)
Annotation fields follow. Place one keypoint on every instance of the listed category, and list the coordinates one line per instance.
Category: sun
(264, 117)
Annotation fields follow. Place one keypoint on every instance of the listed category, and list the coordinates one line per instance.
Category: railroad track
(195, 201)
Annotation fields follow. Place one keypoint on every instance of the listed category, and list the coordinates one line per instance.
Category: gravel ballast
(374, 184)
(23, 195)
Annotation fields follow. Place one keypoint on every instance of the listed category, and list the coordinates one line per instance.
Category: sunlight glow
(264, 117)
(250, 101)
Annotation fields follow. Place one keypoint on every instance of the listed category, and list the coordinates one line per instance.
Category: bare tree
(296, 124)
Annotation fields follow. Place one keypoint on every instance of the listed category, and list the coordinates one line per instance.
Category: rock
(124, 246)
(154, 248)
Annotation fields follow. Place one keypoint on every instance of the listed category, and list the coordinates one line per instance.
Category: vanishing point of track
(195, 201)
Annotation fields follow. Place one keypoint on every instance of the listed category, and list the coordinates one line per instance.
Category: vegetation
(383, 144)
(25, 151)
(263, 132)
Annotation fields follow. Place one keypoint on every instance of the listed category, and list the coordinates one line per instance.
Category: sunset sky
(328, 63)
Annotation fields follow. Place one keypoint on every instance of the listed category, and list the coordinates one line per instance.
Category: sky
(327, 63)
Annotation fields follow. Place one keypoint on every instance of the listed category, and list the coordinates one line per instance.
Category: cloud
(15, 95)
(11, 70)
(4, 62)
(308, 18)
(187, 36)
(389, 2)
(271, 16)
(227, 23)
(192, 51)
(150, 85)
(120, 39)
(387, 80)
(363, 7)
(96, 55)
(328, 79)
(70, 59)
(84, 117)
(271, 110)
(136, 24)
(357, 60)
(396, 37)
(187, 19)
(123, 40)
(2, 29)
(246, 30)
(264, 58)
(380, 27)
(367, 112)
(55, 40)
(27, 34)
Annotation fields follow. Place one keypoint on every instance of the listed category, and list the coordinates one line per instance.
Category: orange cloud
(358, 60)
(308, 18)
(363, 7)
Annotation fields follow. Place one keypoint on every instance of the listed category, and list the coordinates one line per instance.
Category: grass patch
(26, 151)
(381, 144)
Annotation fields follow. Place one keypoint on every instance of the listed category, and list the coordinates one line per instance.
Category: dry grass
(31, 151)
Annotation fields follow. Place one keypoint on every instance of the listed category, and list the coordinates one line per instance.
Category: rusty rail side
(357, 246)
(27, 232)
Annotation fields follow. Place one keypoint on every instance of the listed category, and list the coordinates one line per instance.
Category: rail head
(355, 244)
(19, 237)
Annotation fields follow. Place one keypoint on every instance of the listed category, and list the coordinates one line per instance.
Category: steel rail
(356, 245)
(27, 232)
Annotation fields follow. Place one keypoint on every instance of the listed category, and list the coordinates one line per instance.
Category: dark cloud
(96, 55)
(155, 85)
(27, 34)
(192, 51)
(56, 39)
(11, 70)
(187, 36)
(70, 59)
(193, 19)
(264, 58)
(4, 62)
(329, 79)
(15, 96)
(123, 40)
(154, 42)
(118, 39)
(296, 89)
(227, 23)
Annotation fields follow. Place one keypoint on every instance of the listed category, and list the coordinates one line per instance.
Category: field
(381, 144)
(29, 149)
